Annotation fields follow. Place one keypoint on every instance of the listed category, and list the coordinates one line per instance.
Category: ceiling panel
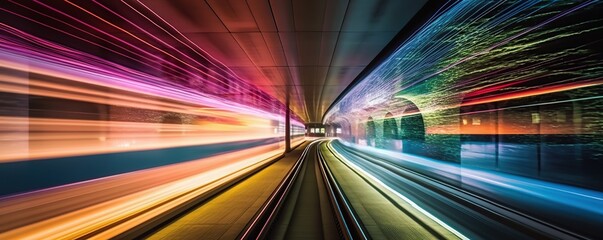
(235, 15)
(283, 15)
(279, 76)
(259, 80)
(342, 76)
(359, 48)
(309, 49)
(334, 14)
(289, 44)
(262, 14)
(312, 76)
(273, 41)
(380, 15)
(187, 16)
(255, 47)
(329, 93)
(309, 15)
(223, 47)
(327, 48)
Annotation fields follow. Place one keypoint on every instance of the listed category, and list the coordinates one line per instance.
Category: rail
(349, 225)
(260, 224)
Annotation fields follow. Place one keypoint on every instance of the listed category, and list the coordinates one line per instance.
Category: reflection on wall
(514, 87)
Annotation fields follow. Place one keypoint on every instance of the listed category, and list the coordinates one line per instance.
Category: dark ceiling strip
(427, 11)
(347, 7)
(290, 79)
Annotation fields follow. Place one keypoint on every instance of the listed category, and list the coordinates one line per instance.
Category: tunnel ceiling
(311, 49)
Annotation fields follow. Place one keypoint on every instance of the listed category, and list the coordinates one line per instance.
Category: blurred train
(76, 142)
(93, 125)
(55, 131)
(80, 100)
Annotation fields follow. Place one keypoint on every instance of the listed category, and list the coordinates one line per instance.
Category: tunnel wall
(516, 90)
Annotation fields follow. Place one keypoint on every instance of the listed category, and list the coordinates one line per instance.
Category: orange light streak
(180, 182)
(532, 92)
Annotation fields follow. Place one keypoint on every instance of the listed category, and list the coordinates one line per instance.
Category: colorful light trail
(113, 118)
(501, 90)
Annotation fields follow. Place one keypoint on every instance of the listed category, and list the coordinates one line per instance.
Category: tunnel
(301, 119)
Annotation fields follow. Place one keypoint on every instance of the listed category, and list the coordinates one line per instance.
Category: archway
(412, 129)
(390, 127)
(370, 132)
(391, 138)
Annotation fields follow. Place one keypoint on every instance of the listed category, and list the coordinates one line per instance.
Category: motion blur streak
(385, 187)
(108, 122)
(566, 198)
(146, 193)
(65, 137)
(503, 100)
